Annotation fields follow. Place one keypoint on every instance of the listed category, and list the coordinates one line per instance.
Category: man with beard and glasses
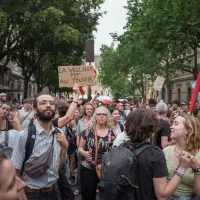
(45, 186)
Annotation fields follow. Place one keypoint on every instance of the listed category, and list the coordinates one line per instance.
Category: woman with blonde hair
(83, 123)
(185, 131)
(101, 127)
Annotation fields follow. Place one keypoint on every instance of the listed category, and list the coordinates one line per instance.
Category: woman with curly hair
(83, 123)
(101, 125)
(186, 133)
(152, 170)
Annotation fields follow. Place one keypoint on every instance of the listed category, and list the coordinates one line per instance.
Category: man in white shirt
(45, 186)
(127, 109)
(26, 114)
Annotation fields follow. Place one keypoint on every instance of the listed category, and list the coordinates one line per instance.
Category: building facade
(181, 88)
(12, 82)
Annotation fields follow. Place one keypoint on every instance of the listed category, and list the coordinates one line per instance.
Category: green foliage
(110, 75)
(33, 33)
(162, 37)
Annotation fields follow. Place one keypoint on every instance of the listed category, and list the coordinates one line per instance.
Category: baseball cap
(184, 103)
(106, 102)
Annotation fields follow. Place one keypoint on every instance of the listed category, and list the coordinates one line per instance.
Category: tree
(46, 28)
(110, 74)
(170, 28)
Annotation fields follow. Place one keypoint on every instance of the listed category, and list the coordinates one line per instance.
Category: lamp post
(89, 51)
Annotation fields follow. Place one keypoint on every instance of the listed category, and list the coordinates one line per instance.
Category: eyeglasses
(101, 114)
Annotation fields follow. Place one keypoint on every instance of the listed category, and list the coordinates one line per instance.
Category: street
(77, 197)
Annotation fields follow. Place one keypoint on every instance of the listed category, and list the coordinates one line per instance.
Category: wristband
(179, 173)
(75, 102)
(196, 171)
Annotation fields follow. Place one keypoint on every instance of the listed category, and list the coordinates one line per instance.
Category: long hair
(84, 108)
(192, 126)
(109, 124)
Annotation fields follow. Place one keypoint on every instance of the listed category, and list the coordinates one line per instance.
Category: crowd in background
(83, 124)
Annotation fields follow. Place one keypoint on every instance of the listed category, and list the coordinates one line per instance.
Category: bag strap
(141, 148)
(6, 138)
(96, 146)
(121, 127)
(30, 142)
(56, 130)
(22, 120)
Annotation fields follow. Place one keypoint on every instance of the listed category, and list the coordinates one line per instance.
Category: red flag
(195, 94)
(95, 74)
(81, 90)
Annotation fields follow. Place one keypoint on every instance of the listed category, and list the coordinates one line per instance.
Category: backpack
(30, 142)
(4, 146)
(119, 172)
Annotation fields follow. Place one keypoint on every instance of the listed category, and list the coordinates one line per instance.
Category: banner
(195, 94)
(158, 84)
(149, 94)
(69, 75)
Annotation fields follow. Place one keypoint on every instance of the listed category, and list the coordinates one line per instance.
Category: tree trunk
(169, 95)
(26, 81)
(195, 69)
(40, 88)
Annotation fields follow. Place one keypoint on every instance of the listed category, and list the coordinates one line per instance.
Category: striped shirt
(42, 142)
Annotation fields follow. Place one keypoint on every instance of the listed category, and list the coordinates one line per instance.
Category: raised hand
(62, 140)
(76, 89)
(185, 160)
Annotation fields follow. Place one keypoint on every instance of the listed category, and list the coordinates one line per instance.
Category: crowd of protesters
(46, 137)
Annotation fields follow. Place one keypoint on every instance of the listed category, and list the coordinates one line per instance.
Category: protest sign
(158, 84)
(69, 75)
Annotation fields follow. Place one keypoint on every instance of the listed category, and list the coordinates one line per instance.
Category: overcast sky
(114, 20)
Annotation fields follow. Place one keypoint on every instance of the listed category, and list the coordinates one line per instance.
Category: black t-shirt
(163, 131)
(152, 165)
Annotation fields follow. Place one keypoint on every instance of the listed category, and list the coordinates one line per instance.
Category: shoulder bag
(98, 167)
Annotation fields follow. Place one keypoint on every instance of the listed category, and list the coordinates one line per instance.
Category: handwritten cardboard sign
(158, 84)
(69, 75)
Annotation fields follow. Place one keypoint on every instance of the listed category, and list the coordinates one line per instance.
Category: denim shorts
(187, 197)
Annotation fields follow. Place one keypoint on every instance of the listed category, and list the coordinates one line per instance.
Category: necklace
(180, 148)
(177, 151)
